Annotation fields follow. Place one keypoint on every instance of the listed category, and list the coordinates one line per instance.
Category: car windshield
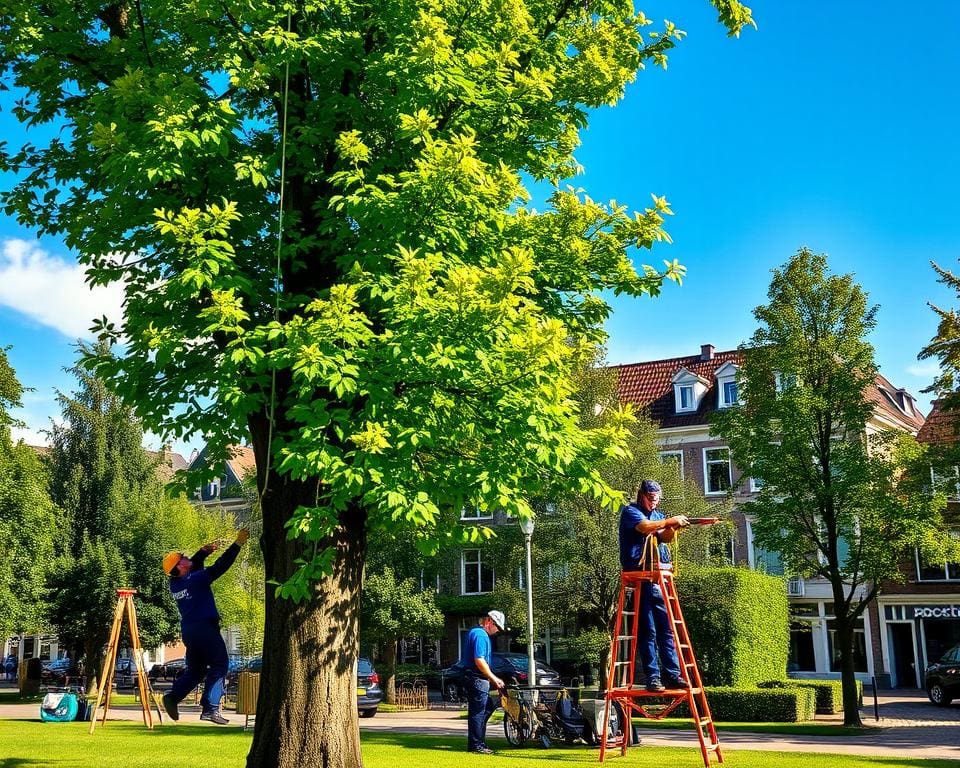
(364, 667)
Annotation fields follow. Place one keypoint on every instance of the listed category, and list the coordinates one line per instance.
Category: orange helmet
(170, 561)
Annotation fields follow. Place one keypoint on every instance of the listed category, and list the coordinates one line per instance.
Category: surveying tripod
(126, 606)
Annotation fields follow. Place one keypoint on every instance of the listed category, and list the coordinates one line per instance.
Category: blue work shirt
(192, 591)
(476, 646)
(632, 542)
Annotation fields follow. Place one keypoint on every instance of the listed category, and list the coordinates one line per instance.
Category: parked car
(509, 667)
(168, 670)
(942, 680)
(124, 673)
(369, 693)
(55, 672)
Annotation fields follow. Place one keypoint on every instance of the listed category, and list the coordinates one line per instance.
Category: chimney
(706, 351)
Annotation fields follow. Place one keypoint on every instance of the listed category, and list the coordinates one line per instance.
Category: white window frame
(683, 381)
(477, 514)
(946, 569)
(679, 455)
(706, 471)
(479, 566)
(726, 374)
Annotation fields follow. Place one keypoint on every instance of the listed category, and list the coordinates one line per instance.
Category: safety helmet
(170, 561)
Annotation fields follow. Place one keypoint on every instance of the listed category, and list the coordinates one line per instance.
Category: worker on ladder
(200, 626)
(638, 521)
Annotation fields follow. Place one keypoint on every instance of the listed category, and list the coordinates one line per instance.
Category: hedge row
(829, 693)
(758, 705)
(739, 624)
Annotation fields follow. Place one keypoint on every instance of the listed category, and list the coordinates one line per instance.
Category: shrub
(758, 705)
(738, 622)
(829, 693)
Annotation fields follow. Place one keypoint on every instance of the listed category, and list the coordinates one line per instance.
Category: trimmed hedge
(738, 622)
(829, 693)
(758, 705)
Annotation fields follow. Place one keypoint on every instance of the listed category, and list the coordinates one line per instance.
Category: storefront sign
(936, 611)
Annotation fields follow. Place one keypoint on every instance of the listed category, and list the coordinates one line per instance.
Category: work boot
(170, 707)
(215, 717)
(655, 686)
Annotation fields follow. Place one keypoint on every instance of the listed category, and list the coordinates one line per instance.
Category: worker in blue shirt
(479, 677)
(206, 657)
(639, 521)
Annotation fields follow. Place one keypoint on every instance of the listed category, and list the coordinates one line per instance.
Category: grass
(124, 744)
(789, 729)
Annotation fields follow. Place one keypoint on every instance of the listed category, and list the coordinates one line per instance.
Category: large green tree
(28, 521)
(397, 343)
(839, 498)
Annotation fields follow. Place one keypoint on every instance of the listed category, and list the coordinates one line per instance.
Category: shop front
(915, 634)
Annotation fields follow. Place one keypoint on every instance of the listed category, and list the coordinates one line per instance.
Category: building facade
(680, 394)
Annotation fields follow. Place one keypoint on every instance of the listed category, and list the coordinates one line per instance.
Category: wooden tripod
(124, 605)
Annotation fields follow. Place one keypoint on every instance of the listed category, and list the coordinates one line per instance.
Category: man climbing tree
(396, 344)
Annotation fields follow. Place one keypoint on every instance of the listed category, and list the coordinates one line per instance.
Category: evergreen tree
(108, 488)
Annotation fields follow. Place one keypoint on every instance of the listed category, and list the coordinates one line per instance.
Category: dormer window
(727, 385)
(688, 389)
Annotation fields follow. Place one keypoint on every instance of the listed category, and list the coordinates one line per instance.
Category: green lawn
(120, 744)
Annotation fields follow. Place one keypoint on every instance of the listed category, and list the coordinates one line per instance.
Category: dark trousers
(656, 635)
(206, 660)
(479, 708)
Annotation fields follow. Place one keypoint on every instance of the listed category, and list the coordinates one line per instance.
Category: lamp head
(526, 525)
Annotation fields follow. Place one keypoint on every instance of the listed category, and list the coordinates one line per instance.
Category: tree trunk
(390, 670)
(307, 706)
(851, 701)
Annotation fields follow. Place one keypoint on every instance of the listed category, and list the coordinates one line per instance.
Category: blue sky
(834, 126)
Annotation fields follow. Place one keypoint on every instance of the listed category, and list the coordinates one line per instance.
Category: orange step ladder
(632, 697)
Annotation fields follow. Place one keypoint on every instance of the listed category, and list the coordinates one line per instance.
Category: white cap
(499, 619)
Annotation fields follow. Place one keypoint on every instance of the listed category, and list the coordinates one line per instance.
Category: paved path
(909, 727)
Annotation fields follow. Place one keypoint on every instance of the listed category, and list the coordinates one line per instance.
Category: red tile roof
(649, 385)
(242, 461)
(941, 427)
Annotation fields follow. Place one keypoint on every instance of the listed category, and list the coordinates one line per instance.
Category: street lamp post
(526, 526)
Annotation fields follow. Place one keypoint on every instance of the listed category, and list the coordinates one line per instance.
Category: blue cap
(650, 486)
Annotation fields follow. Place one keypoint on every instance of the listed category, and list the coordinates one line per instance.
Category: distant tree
(393, 608)
(28, 521)
(837, 499)
(108, 489)
(404, 347)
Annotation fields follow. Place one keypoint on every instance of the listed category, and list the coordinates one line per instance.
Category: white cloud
(52, 292)
(925, 370)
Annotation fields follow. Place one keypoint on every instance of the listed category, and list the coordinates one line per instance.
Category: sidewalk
(909, 727)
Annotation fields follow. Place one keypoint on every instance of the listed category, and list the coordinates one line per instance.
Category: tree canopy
(319, 216)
